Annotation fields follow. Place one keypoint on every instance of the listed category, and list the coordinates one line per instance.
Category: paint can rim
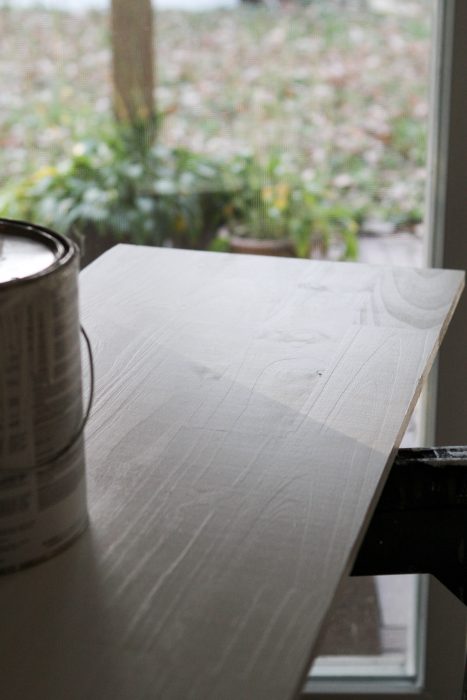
(63, 248)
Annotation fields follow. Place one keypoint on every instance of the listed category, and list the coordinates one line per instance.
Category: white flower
(78, 149)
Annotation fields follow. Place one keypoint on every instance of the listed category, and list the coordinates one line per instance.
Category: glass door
(434, 656)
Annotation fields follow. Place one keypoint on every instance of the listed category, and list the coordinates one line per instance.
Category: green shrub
(119, 183)
(113, 182)
(273, 201)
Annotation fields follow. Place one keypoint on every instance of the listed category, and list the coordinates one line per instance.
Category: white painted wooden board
(247, 413)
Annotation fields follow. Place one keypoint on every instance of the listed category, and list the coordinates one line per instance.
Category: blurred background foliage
(298, 119)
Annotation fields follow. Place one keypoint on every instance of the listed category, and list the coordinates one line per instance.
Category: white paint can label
(42, 466)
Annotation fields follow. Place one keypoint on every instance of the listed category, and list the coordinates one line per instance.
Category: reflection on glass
(372, 630)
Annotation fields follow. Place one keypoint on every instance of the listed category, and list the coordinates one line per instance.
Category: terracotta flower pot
(256, 246)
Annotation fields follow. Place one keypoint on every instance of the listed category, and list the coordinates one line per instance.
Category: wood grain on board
(246, 415)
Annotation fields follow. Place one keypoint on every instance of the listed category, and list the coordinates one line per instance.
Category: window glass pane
(327, 98)
(372, 631)
(336, 90)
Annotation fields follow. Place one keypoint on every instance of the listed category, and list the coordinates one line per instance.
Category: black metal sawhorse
(420, 522)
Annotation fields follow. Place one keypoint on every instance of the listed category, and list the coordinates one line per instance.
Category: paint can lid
(27, 251)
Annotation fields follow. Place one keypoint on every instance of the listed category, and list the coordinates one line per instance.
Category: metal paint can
(42, 468)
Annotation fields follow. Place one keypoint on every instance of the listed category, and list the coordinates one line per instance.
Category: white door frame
(447, 211)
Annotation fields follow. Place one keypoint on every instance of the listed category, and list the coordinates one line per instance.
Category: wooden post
(133, 61)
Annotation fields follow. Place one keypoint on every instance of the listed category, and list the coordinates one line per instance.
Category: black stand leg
(420, 523)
